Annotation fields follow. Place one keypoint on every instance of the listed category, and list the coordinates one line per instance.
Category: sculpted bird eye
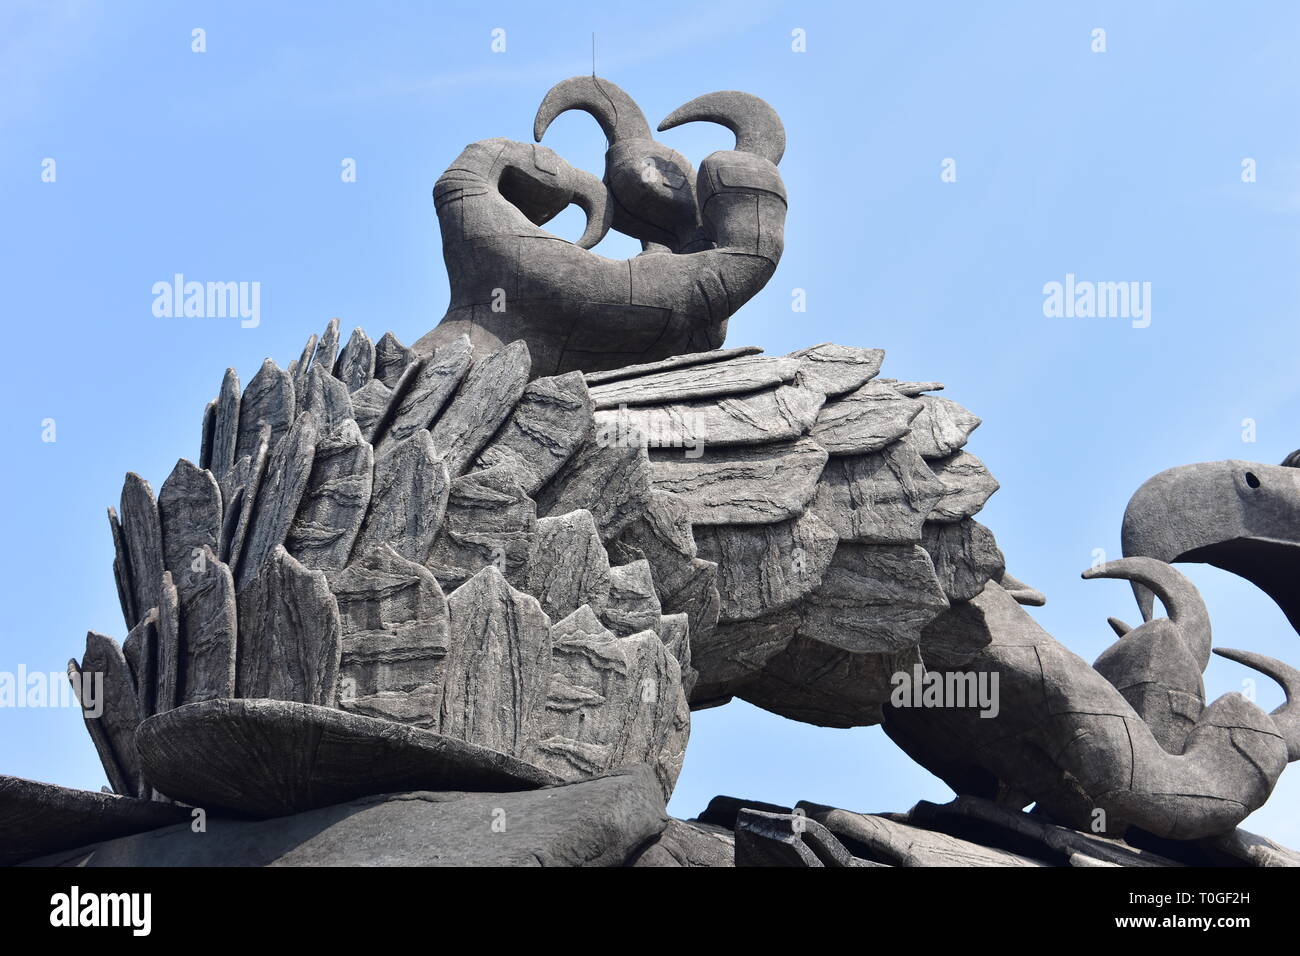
(1251, 479)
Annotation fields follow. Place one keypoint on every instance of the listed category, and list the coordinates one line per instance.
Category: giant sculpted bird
(518, 552)
(712, 240)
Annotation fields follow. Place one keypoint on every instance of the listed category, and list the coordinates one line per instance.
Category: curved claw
(757, 127)
(615, 111)
(1179, 596)
(1286, 717)
(591, 196)
(1022, 592)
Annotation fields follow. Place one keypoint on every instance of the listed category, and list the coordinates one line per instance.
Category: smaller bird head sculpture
(710, 240)
(654, 186)
(1241, 516)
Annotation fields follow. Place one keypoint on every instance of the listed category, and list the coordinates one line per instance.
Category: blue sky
(225, 165)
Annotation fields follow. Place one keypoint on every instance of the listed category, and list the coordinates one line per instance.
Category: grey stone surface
(672, 362)
(288, 471)
(298, 370)
(189, 513)
(407, 500)
(113, 728)
(610, 481)
(723, 811)
(369, 402)
(880, 498)
(815, 683)
(269, 399)
(689, 843)
(327, 349)
(498, 664)
(734, 652)
(716, 379)
(484, 401)
(122, 569)
(326, 398)
(675, 632)
(999, 827)
(766, 568)
(41, 818)
(1240, 516)
(335, 500)
(1285, 718)
(568, 566)
(942, 427)
(767, 415)
(140, 648)
(896, 844)
(686, 584)
(874, 598)
(955, 636)
(209, 623)
(1067, 739)
(671, 757)
(428, 393)
(914, 389)
(289, 640)
(969, 831)
(391, 359)
(205, 436)
(632, 603)
(225, 426)
(836, 370)
(489, 521)
(751, 485)
(167, 677)
(1022, 592)
(142, 541)
(612, 701)
(967, 486)
(356, 363)
(965, 557)
(1157, 665)
(832, 509)
(793, 840)
(600, 822)
(1242, 846)
(395, 634)
(240, 493)
(551, 420)
(865, 420)
(275, 757)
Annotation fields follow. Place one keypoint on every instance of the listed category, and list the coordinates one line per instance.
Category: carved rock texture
(289, 639)
(395, 637)
(750, 485)
(274, 757)
(489, 520)
(408, 498)
(546, 570)
(551, 421)
(497, 666)
(599, 822)
(42, 818)
(793, 530)
(484, 401)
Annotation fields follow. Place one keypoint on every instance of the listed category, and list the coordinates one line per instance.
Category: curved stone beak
(1240, 516)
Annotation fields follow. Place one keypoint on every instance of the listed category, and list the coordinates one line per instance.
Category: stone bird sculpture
(517, 553)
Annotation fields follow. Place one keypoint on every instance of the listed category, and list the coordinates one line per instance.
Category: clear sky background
(225, 166)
